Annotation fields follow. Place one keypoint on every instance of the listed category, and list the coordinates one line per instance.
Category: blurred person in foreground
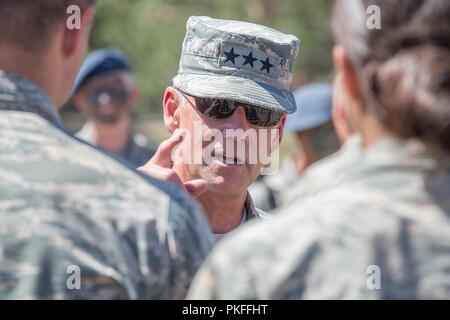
(105, 91)
(385, 232)
(315, 139)
(333, 170)
(233, 78)
(74, 223)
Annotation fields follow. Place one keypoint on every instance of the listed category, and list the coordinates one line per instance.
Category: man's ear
(340, 116)
(74, 39)
(171, 109)
(281, 128)
(345, 68)
(348, 92)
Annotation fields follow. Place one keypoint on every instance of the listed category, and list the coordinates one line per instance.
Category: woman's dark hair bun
(404, 67)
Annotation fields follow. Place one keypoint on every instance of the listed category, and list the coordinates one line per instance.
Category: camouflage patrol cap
(239, 61)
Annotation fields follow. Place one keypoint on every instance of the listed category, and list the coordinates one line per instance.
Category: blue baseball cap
(100, 62)
(314, 101)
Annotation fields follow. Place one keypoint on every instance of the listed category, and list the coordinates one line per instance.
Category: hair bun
(413, 88)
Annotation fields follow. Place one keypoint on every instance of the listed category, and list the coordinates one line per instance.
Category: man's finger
(160, 173)
(163, 155)
(196, 187)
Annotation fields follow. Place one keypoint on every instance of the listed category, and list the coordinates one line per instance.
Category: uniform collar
(411, 153)
(251, 210)
(20, 94)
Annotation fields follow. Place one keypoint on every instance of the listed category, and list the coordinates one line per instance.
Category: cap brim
(306, 122)
(237, 89)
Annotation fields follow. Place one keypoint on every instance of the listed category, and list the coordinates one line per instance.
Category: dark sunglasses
(118, 96)
(222, 109)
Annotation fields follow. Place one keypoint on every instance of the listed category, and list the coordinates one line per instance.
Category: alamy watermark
(73, 281)
(73, 21)
(230, 147)
(373, 21)
(374, 279)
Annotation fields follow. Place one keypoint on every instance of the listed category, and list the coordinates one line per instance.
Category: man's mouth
(231, 160)
(227, 159)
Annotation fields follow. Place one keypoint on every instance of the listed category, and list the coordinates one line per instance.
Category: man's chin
(226, 185)
(224, 180)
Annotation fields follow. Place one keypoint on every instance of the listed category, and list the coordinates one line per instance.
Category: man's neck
(30, 67)
(113, 137)
(372, 132)
(224, 213)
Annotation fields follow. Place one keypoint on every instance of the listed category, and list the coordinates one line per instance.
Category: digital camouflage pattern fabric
(275, 192)
(383, 233)
(65, 204)
(239, 61)
(325, 174)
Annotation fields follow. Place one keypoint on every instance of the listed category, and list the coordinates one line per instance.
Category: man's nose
(238, 120)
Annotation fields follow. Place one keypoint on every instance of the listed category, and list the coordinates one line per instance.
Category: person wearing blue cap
(105, 91)
(315, 138)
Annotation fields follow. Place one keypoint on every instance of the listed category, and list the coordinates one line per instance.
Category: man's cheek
(271, 143)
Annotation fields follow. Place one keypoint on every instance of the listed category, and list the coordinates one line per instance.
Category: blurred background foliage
(151, 32)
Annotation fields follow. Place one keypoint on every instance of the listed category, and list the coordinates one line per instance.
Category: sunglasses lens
(118, 97)
(262, 117)
(215, 108)
(221, 109)
(92, 98)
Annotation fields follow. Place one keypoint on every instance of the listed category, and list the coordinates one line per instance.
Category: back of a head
(404, 66)
(44, 41)
(29, 24)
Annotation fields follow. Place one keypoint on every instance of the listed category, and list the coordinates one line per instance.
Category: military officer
(234, 77)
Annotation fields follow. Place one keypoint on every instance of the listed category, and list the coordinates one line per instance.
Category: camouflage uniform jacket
(252, 211)
(384, 233)
(326, 173)
(67, 210)
(275, 192)
(268, 191)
